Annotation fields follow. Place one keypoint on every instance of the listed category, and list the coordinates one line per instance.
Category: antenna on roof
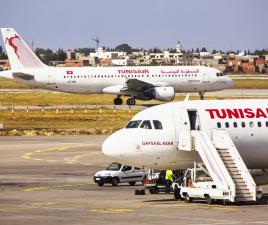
(97, 42)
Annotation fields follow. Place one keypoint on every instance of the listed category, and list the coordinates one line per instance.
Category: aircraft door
(51, 78)
(206, 79)
(183, 130)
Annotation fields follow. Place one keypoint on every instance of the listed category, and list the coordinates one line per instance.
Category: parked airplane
(164, 136)
(143, 83)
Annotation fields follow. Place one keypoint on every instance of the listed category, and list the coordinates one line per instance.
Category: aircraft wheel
(118, 101)
(202, 95)
(131, 101)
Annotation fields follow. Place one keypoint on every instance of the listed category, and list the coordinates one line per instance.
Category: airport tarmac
(48, 180)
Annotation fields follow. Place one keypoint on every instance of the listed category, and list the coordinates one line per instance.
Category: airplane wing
(139, 85)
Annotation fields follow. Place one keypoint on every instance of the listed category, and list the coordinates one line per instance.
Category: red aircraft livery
(238, 113)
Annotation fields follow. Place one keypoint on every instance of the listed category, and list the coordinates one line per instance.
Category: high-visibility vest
(169, 175)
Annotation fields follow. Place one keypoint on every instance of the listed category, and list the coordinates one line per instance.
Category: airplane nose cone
(229, 82)
(111, 147)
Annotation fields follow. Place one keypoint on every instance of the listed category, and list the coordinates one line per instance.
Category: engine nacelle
(164, 93)
(158, 93)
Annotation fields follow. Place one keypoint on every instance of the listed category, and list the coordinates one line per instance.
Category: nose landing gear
(202, 95)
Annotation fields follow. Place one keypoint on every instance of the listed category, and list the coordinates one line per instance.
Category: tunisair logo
(11, 44)
(238, 113)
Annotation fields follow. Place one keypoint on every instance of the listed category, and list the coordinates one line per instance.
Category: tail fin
(19, 54)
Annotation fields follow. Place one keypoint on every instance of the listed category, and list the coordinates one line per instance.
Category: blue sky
(215, 24)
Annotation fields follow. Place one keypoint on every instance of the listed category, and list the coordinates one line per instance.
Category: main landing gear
(119, 101)
(131, 101)
(202, 95)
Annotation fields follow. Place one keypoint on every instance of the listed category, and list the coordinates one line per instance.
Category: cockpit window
(157, 125)
(219, 74)
(146, 124)
(133, 124)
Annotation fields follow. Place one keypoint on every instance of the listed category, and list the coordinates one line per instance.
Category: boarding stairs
(225, 165)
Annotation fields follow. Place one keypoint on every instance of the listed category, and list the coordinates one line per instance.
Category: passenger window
(259, 124)
(126, 168)
(266, 123)
(243, 124)
(251, 124)
(157, 125)
(219, 125)
(226, 124)
(146, 124)
(136, 168)
(133, 124)
(235, 124)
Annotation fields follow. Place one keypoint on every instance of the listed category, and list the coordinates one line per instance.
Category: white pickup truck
(117, 173)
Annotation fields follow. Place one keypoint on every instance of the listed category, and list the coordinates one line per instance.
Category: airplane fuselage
(246, 121)
(95, 80)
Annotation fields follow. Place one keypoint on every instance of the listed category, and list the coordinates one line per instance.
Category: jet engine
(159, 93)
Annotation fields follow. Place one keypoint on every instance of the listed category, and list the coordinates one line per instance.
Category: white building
(102, 54)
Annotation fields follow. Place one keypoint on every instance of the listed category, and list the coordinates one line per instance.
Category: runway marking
(181, 204)
(70, 160)
(42, 188)
(113, 210)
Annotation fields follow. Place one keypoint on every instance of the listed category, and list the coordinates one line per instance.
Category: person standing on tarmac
(169, 179)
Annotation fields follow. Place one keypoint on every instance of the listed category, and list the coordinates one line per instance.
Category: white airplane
(164, 136)
(143, 83)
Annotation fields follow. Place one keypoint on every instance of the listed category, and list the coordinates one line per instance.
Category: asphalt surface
(48, 180)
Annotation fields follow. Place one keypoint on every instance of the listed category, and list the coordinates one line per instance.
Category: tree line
(47, 55)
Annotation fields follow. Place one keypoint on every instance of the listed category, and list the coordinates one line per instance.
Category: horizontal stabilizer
(23, 76)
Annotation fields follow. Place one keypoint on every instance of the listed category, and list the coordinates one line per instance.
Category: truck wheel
(132, 183)
(177, 194)
(153, 190)
(115, 181)
(208, 199)
(188, 199)
(100, 184)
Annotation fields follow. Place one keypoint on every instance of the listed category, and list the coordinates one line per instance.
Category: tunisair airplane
(139, 82)
(169, 135)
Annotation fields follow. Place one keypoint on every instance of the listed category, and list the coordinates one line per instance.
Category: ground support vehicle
(117, 173)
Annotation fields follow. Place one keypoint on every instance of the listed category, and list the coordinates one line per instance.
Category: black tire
(115, 181)
(188, 199)
(177, 194)
(208, 199)
(131, 101)
(118, 101)
(132, 183)
(151, 190)
(100, 184)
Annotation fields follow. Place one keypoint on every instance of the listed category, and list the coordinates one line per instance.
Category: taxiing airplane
(139, 82)
(165, 136)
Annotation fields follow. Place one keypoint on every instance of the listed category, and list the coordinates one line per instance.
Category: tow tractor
(155, 181)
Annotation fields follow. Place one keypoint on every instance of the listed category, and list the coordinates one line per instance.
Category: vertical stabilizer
(19, 53)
